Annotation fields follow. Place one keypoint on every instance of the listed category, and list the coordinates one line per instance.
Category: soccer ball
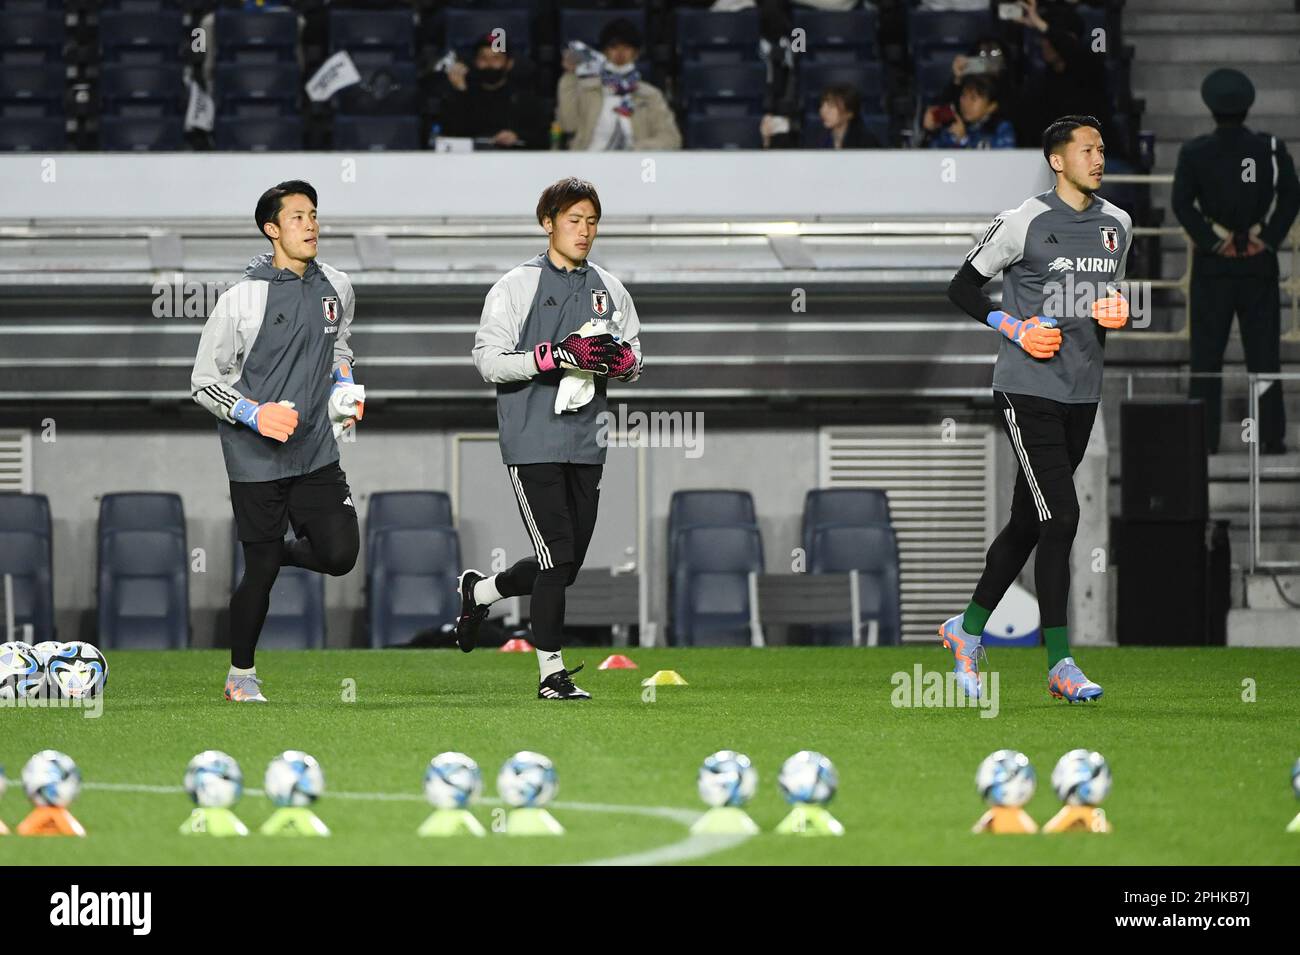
(527, 779)
(294, 778)
(1295, 778)
(214, 780)
(452, 781)
(1081, 778)
(727, 778)
(1006, 778)
(51, 778)
(20, 670)
(808, 777)
(77, 670)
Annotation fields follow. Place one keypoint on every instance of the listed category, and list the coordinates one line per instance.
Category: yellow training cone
(664, 678)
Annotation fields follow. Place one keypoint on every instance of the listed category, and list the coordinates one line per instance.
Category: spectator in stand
(613, 109)
(977, 123)
(840, 113)
(1074, 81)
(484, 103)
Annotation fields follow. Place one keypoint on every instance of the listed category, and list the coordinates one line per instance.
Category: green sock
(1058, 644)
(974, 619)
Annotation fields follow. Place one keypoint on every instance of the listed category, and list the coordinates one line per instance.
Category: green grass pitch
(1201, 775)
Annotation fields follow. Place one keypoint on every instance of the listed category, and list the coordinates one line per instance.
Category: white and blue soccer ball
(51, 778)
(47, 649)
(527, 780)
(294, 778)
(808, 777)
(214, 780)
(727, 778)
(1081, 778)
(1295, 778)
(77, 670)
(452, 781)
(21, 674)
(1006, 778)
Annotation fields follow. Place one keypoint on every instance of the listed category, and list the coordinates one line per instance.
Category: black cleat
(558, 686)
(472, 613)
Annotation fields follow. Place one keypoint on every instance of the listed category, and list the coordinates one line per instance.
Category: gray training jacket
(276, 337)
(533, 303)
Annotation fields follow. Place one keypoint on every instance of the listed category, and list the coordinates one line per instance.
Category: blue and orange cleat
(966, 651)
(1066, 681)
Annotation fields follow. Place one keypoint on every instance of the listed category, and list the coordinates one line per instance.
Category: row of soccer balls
(526, 780)
(73, 670)
(1006, 778)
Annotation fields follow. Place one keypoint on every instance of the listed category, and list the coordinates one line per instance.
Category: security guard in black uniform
(1236, 194)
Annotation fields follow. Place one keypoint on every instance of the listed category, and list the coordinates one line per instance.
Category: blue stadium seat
(296, 618)
(143, 590)
(377, 133)
(872, 550)
(273, 134)
(373, 31)
(411, 576)
(842, 505)
(814, 134)
(723, 132)
(141, 37)
(261, 89)
(867, 78)
(717, 37)
(585, 25)
(31, 36)
(710, 576)
(151, 89)
(387, 88)
(711, 506)
(141, 134)
(466, 27)
(406, 510)
(723, 89)
(265, 37)
(951, 30)
(29, 134)
(33, 90)
(140, 511)
(26, 553)
(930, 77)
(838, 35)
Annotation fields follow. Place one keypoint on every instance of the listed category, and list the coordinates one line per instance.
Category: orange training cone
(518, 645)
(616, 661)
(50, 821)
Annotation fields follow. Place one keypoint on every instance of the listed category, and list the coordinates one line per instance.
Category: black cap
(1228, 92)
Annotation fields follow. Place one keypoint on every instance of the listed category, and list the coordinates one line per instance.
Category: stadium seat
(153, 89)
(930, 77)
(717, 37)
(838, 35)
(141, 133)
(263, 89)
(871, 550)
(373, 31)
(141, 37)
(274, 134)
(710, 604)
(265, 37)
(26, 553)
(867, 78)
(723, 132)
(143, 590)
(585, 25)
(406, 510)
(377, 133)
(141, 510)
(857, 506)
(296, 618)
(29, 513)
(712, 506)
(723, 89)
(813, 133)
(466, 27)
(28, 134)
(31, 36)
(411, 577)
(33, 90)
(387, 88)
(951, 30)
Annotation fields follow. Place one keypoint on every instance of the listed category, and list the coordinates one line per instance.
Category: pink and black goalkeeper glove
(585, 354)
(623, 366)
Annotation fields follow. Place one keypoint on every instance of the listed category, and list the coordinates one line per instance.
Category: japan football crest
(329, 305)
(600, 302)
(1109, 238)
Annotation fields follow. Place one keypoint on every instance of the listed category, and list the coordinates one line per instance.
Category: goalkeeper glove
(1039, 337)
(623, 366)
(1112, 311)
(271, 420)
(576, 352)
(347, 402)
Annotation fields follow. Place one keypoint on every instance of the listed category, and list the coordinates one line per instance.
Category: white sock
(235, 671)
(485, 591)
(549, 661)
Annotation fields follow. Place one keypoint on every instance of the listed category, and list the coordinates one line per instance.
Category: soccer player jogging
(275, 367)
(553, 331)
(1058, 253)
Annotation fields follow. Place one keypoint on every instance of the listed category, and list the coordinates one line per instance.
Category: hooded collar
(555, 268)
(261, 268)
